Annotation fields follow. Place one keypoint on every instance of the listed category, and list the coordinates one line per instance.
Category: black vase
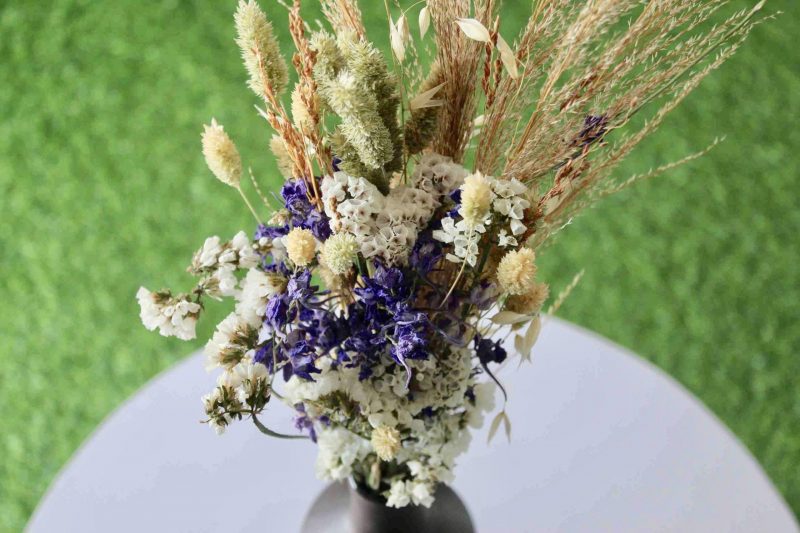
(341, 508)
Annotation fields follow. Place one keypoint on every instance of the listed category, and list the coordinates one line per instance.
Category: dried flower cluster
(420, 196)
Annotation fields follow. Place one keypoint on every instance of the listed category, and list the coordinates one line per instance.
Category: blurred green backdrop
(104, 189)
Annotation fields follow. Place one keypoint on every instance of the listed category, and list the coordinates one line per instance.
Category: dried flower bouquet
(375, 302)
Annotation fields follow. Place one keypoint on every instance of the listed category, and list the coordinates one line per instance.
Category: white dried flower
(504, 239)
(516, 271)
(230, 342)
(386, 442)
(174, 317)
(476, 199)
(339, 251)
(300, 246)
(257, 288)
(399, 494)
(221, 154)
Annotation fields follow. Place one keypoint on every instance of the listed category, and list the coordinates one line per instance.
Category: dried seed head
(221, 154)
(278, 148)
(300, 113)
(260, 51)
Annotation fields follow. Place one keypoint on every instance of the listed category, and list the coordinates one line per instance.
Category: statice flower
(232, 341)
(172, 316)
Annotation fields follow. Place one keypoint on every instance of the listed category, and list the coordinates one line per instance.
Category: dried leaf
(506, 318)
(508, 57)
(500, 417)
(495, 424)
(518, 343)
(424, 21)
(526, 346)
(425, 99)
(474, 30)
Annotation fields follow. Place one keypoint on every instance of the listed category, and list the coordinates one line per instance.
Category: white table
(602, 441)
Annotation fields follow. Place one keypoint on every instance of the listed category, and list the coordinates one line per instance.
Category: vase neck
(369, 514)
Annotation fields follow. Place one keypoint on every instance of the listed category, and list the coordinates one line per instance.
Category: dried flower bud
(221, 154)
(260, 49)
(300, 246)
(386, 442)
(516, 271)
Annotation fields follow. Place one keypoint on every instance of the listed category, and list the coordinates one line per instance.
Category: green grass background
(104, 188)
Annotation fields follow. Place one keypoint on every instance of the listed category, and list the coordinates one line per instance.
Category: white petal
(474, 30)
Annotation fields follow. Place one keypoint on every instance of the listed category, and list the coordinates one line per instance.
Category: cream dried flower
(476, 199)
(260, 49)
(386, 442)
(516, 271)
(221, 154)
(300, 246)
(339, 251)
(530, 302)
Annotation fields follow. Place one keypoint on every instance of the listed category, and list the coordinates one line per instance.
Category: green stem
(266, 431)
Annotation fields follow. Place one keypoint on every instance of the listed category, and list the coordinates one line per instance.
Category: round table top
(602, 441)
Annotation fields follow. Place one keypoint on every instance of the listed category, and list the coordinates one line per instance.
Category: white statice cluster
(219, 261)
(509, 204)
(242, 387)
(231, 342)
(338, 449)
(172, 316)
(485, 201)
(438, 175)
(386, 226)
(257, 288)
(430, 444)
